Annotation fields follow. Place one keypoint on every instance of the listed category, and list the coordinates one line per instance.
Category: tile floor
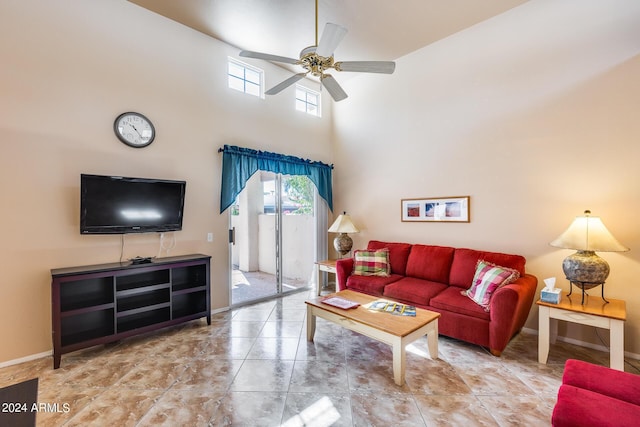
(254, 367)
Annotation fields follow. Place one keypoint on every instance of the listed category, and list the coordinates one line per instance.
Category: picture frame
(439, 209)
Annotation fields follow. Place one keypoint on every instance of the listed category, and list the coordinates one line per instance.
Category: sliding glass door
(273, 230)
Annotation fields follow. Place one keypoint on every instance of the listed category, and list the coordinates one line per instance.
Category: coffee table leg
(399, 357)
(432, 341)
(311, 323)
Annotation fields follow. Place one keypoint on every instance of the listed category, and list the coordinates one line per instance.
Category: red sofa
(596, 396)
(433, 277)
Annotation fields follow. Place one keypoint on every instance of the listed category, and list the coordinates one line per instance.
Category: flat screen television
(119, 205)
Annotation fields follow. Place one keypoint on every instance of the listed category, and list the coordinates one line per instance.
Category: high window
(307, 100)
(245, 78)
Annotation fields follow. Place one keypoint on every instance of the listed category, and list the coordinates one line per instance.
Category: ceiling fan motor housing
(315, 64)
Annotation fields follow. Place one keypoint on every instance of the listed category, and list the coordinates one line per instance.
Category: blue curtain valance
(239, 164)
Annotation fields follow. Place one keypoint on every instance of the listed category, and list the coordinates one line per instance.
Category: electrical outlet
(209, 237)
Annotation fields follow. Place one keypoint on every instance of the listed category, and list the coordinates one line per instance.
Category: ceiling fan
(318, 59)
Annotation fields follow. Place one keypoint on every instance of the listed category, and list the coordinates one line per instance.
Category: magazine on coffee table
(393, 308)
(340, 302)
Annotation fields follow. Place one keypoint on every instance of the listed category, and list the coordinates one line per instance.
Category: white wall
(298, 237)
(68, 68)
(534, 114)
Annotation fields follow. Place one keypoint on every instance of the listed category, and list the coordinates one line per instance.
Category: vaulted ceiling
(378, 29)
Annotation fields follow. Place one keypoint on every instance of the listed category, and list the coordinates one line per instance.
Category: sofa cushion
(463, 267)
(452, 300)
(430, 262)
(417, 291)
(398, 254)
(371, 263)
(487, 279)
(580, 407)
(372, 285)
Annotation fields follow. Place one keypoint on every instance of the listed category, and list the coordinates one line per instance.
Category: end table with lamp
(342, 244)
(584, 269)
(343, 225)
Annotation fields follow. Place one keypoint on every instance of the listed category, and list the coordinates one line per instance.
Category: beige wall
(67, 69)
(534, 114)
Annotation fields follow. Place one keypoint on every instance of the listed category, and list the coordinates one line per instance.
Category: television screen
(118, 205)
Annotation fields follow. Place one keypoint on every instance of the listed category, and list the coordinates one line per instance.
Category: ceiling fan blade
(331, 37)
(334, 89)
(383, 67)
(267, 57)
(285, 84)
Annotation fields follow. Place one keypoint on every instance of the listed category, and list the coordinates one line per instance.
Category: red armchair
(596, 396)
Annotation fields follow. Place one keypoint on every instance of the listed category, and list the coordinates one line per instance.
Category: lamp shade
(588, 233)
(343, 224)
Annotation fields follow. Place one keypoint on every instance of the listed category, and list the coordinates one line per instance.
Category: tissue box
(551, 296)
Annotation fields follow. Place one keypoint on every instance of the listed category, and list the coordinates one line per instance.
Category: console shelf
(98, 304)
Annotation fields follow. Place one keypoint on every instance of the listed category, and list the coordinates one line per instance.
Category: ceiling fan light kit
(318, 59)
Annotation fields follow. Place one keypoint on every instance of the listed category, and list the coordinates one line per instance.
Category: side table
(328, 265)
(594, 312)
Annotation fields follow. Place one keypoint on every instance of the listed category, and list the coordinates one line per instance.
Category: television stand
(99, 304)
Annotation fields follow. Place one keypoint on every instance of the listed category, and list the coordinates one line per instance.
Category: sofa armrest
(344, 267)
(509, 309)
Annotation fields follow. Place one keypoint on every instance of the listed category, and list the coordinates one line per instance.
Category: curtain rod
(295, 158)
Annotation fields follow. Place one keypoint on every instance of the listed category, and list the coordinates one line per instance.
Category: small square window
(245, 78)
(307, 100)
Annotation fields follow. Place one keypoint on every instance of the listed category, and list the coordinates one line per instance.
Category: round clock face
(134, 129)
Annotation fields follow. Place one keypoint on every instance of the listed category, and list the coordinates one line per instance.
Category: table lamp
(584, 269)
(343, 225)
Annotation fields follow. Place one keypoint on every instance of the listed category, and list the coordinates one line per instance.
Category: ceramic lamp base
(586, 270)
(586, 267)
(342, 244)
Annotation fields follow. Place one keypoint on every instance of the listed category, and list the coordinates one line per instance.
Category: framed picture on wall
(441, 209)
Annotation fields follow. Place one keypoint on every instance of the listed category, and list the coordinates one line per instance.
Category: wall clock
(134, 129)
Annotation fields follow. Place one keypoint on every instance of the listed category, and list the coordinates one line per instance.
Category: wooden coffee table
(397, 331)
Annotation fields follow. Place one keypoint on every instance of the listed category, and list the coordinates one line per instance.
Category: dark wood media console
(98, 304)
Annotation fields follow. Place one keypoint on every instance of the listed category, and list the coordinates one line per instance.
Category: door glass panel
(253, 274)
(298, 232)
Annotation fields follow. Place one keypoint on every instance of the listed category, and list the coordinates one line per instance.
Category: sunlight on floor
(413, 349)
(252, 285)
(320, 414)
(238, 278)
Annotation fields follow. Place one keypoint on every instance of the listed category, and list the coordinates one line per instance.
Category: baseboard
(592, 346)
(26, 359)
